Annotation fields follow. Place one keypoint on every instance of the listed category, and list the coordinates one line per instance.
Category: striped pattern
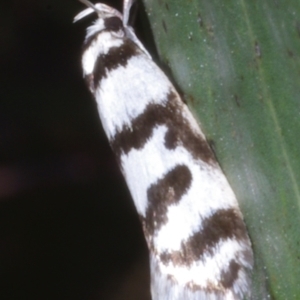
(198, 243)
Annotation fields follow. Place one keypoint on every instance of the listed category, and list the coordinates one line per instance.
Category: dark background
(68, 228)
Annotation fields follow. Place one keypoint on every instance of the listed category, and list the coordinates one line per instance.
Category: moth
(198, 243)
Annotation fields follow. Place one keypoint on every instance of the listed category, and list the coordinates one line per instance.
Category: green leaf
(238, 64)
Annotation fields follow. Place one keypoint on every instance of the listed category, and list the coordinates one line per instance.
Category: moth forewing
(198, 243)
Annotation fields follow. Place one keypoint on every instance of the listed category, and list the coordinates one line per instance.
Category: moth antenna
(91, 5)
(126, 11)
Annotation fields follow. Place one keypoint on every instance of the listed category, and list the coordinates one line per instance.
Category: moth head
(103, 11)
(108, 18)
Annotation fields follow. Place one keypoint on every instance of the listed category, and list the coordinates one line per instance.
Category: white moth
(199, 247)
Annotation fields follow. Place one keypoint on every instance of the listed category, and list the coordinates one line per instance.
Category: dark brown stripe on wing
(116, 57)
(224, 224)
(179, 131)
(229, 276)
(166, 191)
